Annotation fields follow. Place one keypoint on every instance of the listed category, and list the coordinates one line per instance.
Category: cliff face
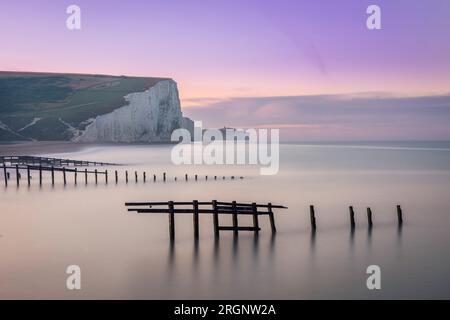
(149, 116)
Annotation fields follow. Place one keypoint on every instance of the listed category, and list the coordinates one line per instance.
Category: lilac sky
(222, 53)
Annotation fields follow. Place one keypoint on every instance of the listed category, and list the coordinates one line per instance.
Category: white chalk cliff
(149, 116)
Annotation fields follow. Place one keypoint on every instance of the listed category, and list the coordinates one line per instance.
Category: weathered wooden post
(399, 215)
(171, 221)
(215, 218)
(117, 176)
(64, 175)
(186, 177)
(164, 177)
(85, 176)
(126, 176)
(96, 176)
(17, 175)
(235, 219)
(312, 217)
(106, 176)
(28, 175)
(144, 177)
(196, 228)
(75, 176)
(271, 218)
(255, 218)
(53, 176)
(5, 173)
(135, 177)
(369, 217)
(352, 216)
(195, 177)
(154, 178)
(40, 175)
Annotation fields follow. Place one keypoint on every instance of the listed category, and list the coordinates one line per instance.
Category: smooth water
(127, 255)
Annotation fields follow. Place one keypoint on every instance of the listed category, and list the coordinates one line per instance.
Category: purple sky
(220, 51)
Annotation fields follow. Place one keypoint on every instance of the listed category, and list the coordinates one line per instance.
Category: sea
(126, 255)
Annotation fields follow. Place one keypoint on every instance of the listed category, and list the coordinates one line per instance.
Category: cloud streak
(334, 117)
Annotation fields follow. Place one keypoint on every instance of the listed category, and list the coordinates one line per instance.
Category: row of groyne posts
(233, 208)
(312, 215)
(52, 165)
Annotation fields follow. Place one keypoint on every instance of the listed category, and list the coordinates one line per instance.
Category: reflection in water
(352, 237)
(313, 242)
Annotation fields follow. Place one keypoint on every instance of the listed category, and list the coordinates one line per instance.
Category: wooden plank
(236, 229)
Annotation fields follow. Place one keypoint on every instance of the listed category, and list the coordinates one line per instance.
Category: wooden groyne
(217, 208)
(55, 162)
(312, 213)
(27, 171)
(214, 208)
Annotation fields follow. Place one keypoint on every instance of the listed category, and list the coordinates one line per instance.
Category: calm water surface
(127, 255)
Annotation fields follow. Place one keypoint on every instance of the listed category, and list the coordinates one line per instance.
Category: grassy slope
(73, 98)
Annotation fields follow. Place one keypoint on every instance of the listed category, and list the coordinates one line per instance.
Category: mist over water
(128, 255)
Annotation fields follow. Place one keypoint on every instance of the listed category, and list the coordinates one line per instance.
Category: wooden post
(196, 229)
(126, 176)
(64, 175)
(312, 217)
(85, 176)
(206, 178)
(352, 216)
(271, 218)
(135, 176)
(17, 175)
(171, 222)
(164, 177)
(106, 176)
(40, 175)
(195, 177)
(369, 217)
(215, 177)
(399, 215)
(255, 218)
(96, 176)
(154, 177)
(235, 218)
(116, 175)
(76, 175)
(53, 176)
(186, 177)
(215, 218)
(144, 177)
(28, 175)
(5, 174)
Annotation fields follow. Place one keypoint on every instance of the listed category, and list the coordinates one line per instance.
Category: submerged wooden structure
(44, 161)
(214, 208)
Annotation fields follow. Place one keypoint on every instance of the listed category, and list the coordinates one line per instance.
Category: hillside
(45, 106)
